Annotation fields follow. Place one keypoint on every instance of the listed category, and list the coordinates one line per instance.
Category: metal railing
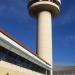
(54, 1)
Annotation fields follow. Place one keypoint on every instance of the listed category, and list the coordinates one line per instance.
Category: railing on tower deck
(15, 59)
(58, 2)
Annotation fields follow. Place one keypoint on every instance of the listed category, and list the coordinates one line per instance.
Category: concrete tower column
(45, 36)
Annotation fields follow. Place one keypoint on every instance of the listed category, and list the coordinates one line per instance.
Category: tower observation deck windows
(58, 2)
(32, 1)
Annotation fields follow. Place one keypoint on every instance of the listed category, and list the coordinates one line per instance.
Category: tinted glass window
(13, 58)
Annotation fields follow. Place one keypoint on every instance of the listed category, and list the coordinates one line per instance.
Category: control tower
(44, 11)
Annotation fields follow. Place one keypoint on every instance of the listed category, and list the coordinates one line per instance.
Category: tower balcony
(36, 6)
(58, 2)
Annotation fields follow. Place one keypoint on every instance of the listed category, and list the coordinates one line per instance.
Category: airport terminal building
(16, 59)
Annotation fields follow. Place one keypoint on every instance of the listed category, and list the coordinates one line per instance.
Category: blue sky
(15, 20)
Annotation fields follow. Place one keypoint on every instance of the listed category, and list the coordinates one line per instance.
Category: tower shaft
(45, 36)
(44, 10)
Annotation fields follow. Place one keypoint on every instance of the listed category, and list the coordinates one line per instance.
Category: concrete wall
(11, 69)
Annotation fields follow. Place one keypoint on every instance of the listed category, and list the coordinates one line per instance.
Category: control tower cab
(36, 6)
